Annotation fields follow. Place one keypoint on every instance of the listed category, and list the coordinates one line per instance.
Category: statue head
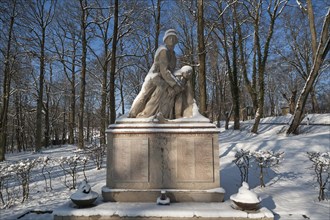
(170, 37)
(187, 72)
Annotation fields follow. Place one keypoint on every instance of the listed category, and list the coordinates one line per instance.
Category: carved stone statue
(165, 91)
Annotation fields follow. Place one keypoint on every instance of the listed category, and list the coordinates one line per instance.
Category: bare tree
(232, 63)
(300, 55)
(102, 17)
(261, 47)
(39, 15)
(226, 32)
(66, 45)
(319, 53)
(6, 82)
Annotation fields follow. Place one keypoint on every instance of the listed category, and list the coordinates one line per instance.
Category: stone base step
(152, 211)
(151, 195)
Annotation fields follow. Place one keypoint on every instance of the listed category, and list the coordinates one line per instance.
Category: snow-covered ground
(291, 190)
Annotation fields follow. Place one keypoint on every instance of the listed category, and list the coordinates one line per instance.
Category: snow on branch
(262, 159)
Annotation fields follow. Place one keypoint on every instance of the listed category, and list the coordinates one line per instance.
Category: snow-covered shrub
(242, 161)
(96, 152)
(321, 166)
(47, 165)
(9, 191)
(84, 161)
(23, 172)
(265, 160)
(12, 176)
(70, 166)
(3, 176)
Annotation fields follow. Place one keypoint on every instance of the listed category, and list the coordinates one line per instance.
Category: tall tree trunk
(83, 5)
(234, 79)
(64, 130)
(40, 106)
(6, 88)
(218, 99)
(201, 58)
(315, 105)
(261, 100)
(292, 101)
(103, 107)
(312, 27)
(104, 96)
(157, 21)
(18, 121)
(235, 87)
(104, 91)
(47, 117)
(88, 126)
(192, 61)
(113, 66)
(257, 60)
(121, 90)
(47, 108)
(72, 113)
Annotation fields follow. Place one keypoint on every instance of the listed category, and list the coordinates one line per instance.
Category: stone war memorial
(164, 143)
(163, 157)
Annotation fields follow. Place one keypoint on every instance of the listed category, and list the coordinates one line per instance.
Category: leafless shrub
(321, 167)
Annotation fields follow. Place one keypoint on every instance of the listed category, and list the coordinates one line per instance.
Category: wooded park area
(69, 68)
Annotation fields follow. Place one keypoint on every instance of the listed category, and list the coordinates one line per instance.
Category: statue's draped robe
(157, 94)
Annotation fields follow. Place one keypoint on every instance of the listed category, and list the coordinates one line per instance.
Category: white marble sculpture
(165, 91)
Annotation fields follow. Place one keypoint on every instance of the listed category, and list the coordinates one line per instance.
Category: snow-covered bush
(15, 181)
(265, 160)
(242, 161)
(70, 166)
(3, 177)
(47, 165)
(16, 178)
(261, 159)
(321, 166)
(84, 161)
(96, 152)
(9, 191)
(23, 172)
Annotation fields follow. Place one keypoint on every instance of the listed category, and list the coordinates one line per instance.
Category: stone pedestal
(179, 156)
(151, 211)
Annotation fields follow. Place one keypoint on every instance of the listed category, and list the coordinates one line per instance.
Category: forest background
(69, 68)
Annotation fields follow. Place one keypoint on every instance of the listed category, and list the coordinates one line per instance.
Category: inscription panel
(130, 160)
(185, 160)
(204, 159)
(194, 160)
